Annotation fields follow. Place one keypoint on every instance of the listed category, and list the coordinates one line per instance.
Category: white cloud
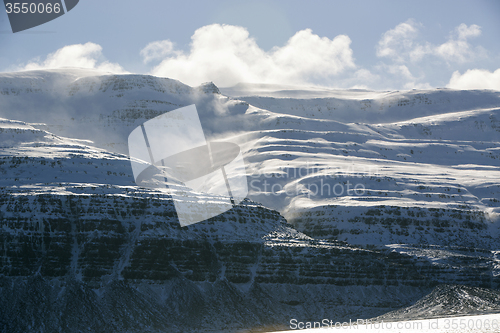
(401, 70)
(157, 50)
(463, 31)
(454, 50)
(398, 42)
(401, 44)
(364, 78)
(457, 48)
(401, 77)
(227, 55)
(475, 79)
(77, 55)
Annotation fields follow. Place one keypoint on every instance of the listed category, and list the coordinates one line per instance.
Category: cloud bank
(77, 55)
(157, 50)
(403, 52)
(475, 79)
(227, 55)
(402, 44)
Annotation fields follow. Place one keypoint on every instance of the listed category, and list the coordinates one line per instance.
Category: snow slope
(35, 163)
(420, 150)
(447, 160)
(447, 301)
(101, 107)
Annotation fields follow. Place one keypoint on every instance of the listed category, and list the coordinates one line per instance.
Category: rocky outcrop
(380, 225)
(446, 301)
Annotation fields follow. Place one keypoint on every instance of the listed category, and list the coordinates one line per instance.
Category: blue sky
(363, 44)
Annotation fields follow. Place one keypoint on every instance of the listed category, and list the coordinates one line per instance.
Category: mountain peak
(209, 88)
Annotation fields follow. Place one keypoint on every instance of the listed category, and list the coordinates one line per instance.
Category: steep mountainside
(448, 300)
(101, 107)
(431, 180)
(83, 248)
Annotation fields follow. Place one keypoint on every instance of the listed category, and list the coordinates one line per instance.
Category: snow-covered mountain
(84, 248)
(426, 163)
(448, 301)
(386, 194)
(101, 107)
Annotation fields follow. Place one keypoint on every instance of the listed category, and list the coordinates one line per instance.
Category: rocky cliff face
(381, 225)
(118, 261)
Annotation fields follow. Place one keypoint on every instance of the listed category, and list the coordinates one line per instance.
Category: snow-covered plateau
(362, 204)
